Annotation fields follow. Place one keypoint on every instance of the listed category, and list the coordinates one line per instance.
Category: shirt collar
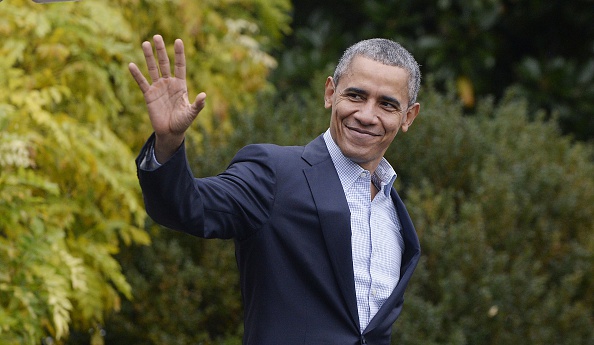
(349, 171)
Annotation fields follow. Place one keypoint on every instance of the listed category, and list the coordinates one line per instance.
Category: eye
(389, 106)
(354, 96)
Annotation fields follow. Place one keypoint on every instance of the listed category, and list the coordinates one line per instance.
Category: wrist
(166, 146)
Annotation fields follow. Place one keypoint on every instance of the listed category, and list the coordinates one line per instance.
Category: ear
(411, 114)
(328, 92)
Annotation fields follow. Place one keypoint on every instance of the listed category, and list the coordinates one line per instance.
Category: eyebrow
(365, 93)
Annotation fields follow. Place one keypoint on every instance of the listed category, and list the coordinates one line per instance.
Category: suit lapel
(335, 220)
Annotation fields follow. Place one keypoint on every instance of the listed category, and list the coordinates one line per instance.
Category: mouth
(361, 131)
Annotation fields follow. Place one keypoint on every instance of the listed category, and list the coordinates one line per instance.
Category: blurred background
(497, 172)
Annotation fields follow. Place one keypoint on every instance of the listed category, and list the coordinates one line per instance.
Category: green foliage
(71, 121)
(503, 209)
(543, 48)
(186, 292)
(68, 195)
(502, 204)
(225, 42)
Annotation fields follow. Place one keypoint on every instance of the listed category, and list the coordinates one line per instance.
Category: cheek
(392, 127)
(337, 114)
(334, 122)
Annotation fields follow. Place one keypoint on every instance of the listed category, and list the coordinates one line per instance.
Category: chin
(357, 157)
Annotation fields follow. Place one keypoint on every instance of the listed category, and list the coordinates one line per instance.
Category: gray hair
(388, 53)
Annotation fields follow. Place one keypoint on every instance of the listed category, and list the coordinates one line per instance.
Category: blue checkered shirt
(376, 240)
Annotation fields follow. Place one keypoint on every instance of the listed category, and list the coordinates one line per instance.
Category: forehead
(373, 76)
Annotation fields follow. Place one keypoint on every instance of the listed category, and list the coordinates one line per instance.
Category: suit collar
(316, 152)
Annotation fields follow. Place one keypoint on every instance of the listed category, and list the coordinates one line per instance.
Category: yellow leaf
(466, 91)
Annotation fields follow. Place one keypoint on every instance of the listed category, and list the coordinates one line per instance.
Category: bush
(503, 210)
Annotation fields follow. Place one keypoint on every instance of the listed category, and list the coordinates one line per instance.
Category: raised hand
(167, 101)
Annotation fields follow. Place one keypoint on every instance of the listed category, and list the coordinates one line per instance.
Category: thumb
(181, 123)
(199, 103)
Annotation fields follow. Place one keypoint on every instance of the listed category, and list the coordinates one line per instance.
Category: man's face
(369, 106)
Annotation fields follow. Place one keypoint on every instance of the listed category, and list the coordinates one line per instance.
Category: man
(324, 244)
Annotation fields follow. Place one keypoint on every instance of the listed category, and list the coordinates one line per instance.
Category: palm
(168, 106)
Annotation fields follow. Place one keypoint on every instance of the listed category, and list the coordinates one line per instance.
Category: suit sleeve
(234, 204)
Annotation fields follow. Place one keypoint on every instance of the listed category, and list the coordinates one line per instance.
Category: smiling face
(369, 106)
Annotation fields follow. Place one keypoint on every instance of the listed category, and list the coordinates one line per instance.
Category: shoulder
(283, 158)
(268, 153)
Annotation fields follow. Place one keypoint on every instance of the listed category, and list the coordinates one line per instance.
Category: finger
(151, 65)
(162, 56)
(180, 59)
(140, 79)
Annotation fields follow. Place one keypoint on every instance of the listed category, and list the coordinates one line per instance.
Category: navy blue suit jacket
(287, 212)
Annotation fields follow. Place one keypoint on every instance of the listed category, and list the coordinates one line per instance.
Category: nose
(366, 115)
